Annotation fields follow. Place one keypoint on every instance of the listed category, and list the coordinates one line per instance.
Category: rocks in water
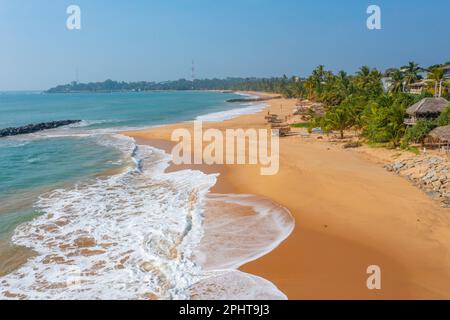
(252, 99)
(31, 128)
(429, 173)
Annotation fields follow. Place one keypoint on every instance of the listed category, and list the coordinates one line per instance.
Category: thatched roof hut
(440, 134)
(315, 109)
(302, 111)
(428, 107)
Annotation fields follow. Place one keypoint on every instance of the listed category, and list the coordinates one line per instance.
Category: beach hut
(310, 109)
(283, 129)
(439, 137)
(278, 124)
(427, 108)
(302, 111)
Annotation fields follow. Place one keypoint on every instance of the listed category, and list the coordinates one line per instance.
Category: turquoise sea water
(33, 164)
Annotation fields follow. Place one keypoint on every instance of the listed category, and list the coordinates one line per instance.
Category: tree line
(370, 102)
(232, 84)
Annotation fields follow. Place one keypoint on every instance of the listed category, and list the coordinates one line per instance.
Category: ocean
(86, 213)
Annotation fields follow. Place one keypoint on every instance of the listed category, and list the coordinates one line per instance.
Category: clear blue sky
(156, 40)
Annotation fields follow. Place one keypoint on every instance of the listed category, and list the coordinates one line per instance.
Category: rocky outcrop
(31, 128)
(429, 173)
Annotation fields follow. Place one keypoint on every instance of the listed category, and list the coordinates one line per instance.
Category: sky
(156, 40)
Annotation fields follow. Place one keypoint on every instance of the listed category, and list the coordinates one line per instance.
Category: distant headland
(226, 85)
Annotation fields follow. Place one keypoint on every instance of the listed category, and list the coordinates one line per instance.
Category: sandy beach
(349, 213)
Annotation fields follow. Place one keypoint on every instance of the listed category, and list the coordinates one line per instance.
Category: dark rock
(252, 99)
(31, 128)
(397, 166)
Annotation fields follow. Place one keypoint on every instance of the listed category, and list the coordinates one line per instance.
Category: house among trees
(446, 71)
(427, 108)
(418, 87)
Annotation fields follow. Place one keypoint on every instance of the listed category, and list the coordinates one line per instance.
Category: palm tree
(363, 72)
(363, 75)
(298, 89)
(309, 88)
(342, 75)
(397, 82)
(319, 72)
(437, 74)
(342, 83)
(343, 79)
(411, 73)
(339, 118)
(318, 77)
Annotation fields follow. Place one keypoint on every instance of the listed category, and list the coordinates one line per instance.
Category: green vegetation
(419, 131)
(444, 118)
(339, 118)
(301, 125)
(359, 102)
(409, 148)
(383, 121)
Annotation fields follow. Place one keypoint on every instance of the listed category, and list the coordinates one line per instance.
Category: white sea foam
(233, 113)
(248, 95)
(87, 123)
(127, 236)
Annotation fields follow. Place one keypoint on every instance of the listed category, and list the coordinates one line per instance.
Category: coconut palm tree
(437, 74)
(363, 72)
(318, 78)
(310, 88)
(319, 72)
(411, 73)
(343, 78)
(397, 81)
(339, 118)
(363, 75)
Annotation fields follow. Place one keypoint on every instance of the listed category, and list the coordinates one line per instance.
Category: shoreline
(349, 213)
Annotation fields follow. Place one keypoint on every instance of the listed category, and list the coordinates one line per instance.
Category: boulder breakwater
(31, 128)
(429, 173)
